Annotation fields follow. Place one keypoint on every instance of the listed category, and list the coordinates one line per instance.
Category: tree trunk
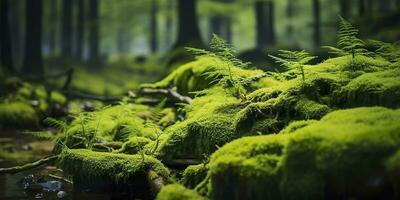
(362, 5)
(94, 33)
(66, 30)
(265, 24)
(53, 29)
(317, 23)
(344, 9)
(188, 29)
(33, 61)
(5, 39)
(80, 30)
(153, 26)
(384, 5)
(221, 25)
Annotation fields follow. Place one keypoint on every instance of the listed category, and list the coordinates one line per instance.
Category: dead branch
(28, 166)
(169, 93)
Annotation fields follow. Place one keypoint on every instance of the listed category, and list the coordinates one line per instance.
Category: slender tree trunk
(344, 8)
(33, 61)
(94, 42)
(362, 6)
(384, 5)
(5, 39)
(80, 30)
(265, 24)
(317, 23)
(66, 29)
(53, 29)
(169, 23)
(153, 26)
(188, 29)
(221, 25)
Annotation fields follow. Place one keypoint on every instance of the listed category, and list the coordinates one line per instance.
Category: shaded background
(114, 45)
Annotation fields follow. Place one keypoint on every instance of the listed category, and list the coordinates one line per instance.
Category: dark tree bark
(5, 39)
(153, 26)
(188, 29)
(221, 25)
(53, 29)
(94, 43)
(80, 30)
(66, 29)
(384, 5)
(169, 23)
(362, 6)
(265, 23)
(33, 61)
(317, 23)
(344, 8)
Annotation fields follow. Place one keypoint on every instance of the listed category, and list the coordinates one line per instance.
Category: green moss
(18, 115)
(119, 168)
(372, 89)
(134, 145)
(57, 98)
(178, 192)
(193, 175)
(344, 151)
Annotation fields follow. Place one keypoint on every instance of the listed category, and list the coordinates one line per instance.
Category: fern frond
(390, 52)
(58, 124)
(42, 135)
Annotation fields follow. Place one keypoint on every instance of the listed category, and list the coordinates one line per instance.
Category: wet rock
(12, 149)
(26, 147)
(61, 194)
(88, 107)
(51, 186)
(28, 181)
(39, 196)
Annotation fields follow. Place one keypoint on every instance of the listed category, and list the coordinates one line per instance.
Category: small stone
(39, 196)
(61, 194)
(26, 147)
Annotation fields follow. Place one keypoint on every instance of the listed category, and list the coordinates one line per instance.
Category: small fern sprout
(221, 50)
(293, 60)
(348, 41)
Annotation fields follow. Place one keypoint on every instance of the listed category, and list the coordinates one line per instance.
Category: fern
(390, 52)
(293, 60)
(348, 41)
(221, 50)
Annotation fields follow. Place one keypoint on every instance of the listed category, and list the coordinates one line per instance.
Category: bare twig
(169, 93)
(28, 166)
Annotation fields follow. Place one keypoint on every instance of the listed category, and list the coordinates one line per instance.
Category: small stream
(45, 182)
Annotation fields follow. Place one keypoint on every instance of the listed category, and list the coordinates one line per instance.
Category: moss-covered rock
(119, 168)
(178, 192)
(341, 156)
(18, 115)
(134, 145)
(193, 175)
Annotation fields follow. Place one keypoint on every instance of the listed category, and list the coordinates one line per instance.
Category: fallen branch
(169, 93)
(28, 166)
(181, 163)
(60, 178)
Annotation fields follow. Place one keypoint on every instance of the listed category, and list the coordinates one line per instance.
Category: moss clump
(17, 114)
(134, 145)
(372, 89)
(178, 192)
(193, 175)
(345, 151)
(118, 168)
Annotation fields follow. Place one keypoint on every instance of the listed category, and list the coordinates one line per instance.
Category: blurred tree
(384, 5)
(66, 29)
(188, 28)
(344, 8)
(153, 26)
(221, 25)
(362, 6)
(265, 21)
(33, 61)
(317, 23)
(80, 30)
(94, 42)
(53, 26)
(5, 39)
